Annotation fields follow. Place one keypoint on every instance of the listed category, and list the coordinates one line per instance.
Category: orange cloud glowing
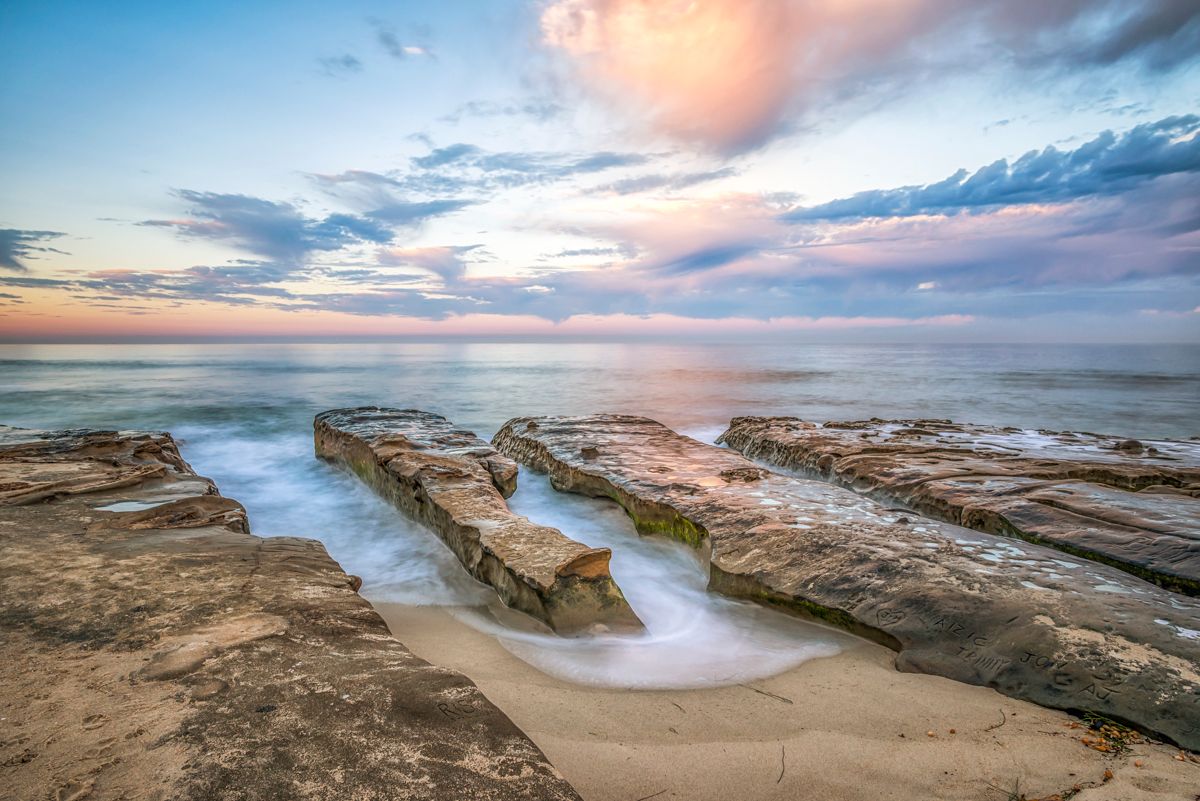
(721, 72)
(706, 70)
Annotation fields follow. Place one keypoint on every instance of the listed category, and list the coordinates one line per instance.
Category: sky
(827, 170)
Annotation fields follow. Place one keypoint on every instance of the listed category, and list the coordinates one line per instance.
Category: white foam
(287, 491)
(693, 638)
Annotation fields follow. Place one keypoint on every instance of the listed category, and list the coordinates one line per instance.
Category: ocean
(243, 415)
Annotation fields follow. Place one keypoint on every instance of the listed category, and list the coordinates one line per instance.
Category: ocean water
(244, 415)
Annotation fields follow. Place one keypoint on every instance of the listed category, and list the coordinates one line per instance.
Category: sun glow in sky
(923, 170)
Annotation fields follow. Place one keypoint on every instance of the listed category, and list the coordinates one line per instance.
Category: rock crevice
(455, 483)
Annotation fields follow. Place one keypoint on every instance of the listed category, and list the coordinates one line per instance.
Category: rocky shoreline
(950, 601)
(1129, 504)
(153, 648)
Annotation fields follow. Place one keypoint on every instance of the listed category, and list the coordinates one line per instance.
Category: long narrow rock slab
(150, 647)
(954, 602)
(456, 483)
(1133, 505)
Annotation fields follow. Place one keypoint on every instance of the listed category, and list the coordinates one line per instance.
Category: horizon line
(549, 339)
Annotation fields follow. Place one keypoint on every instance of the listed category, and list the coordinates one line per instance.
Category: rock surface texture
(1133, 505)
(974, 607)
(456, 483)
(151, 648)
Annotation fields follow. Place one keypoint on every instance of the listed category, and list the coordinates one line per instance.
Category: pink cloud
(731, 73)
(1095, 241)
(709, 71)
(728, 73)
(444, 262)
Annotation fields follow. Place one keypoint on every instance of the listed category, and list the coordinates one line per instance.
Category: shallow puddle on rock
(130, 506)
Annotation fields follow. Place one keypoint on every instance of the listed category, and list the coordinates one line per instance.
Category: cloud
(408, 213)
(538, 164)
(539, 110)
(1046, 251)
(447, 155)
(238, 284)
(464, 168)
(668, 181)
(715, 72)
(1161, 34)
(386, 36)
(731, 74)
(362, 189)
(340, 66)
(439, 182)
(707, 258)
(278, 231)
(445, 262)
(381, 199)
(1107, 165)
(1111, 226)
(733, 257)
(1148, 233)
(533, 165)
(17, 244)
(571, 253)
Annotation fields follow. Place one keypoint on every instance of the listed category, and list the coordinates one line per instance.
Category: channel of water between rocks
(693, 638)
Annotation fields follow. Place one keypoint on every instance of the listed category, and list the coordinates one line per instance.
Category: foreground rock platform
(970, 606)
(455, 483)
(1134, 505)
(151, 648)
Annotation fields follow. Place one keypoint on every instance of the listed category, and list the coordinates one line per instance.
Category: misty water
(244, 414)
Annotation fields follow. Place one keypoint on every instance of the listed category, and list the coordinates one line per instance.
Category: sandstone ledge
(455, 483)
(953, 602)
(152, 648)
(1133, 505)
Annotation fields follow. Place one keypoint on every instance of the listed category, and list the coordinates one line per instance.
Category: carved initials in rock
(1100, 692)
(889, 617)
(457, 709)
(1063, 677)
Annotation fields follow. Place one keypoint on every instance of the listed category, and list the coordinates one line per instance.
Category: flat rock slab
(455, 483)
(150, 647)
(1133, 505)
(954, 602)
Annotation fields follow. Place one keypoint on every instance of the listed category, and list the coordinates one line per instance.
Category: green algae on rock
(1133, 505)
(455, 483)
(954, 602)
(153, 648)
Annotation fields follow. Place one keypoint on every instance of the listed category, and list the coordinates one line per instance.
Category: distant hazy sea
(266, 390)
(244, 416)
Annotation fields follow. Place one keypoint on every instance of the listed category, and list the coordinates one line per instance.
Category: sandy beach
(842, 727)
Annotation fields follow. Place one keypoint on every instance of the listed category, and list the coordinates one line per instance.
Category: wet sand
(842, 727)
